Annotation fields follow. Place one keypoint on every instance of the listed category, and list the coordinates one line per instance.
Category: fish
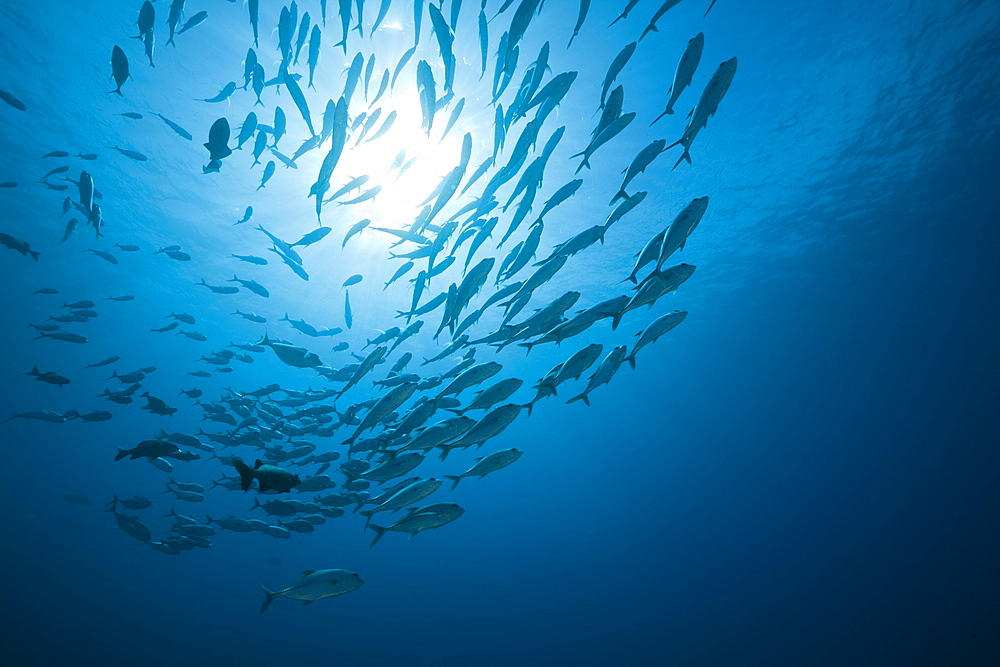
(656, 17)
(581, 17)
(685, 73)
(222, 95)
(638, 165)
(298, 357)
(253, 8)
(616, 67)
(217, 145)
(657, 328)
(348, 316)
(299, 99)
(119, 69)
(195, 20)
(247, 214)
(18, 245)
(706, 107)
(315, 585)
(106, 256)
(48, 377)
(605, 371)
(135, 155)
(268, 173)
(487, 464)
(251, 259)
(269, 477)
(353, 280)
(175, 127)
(13, 101)
(625, 12)
(419, 520)
(315, 41)
(679, 230)
(253, 286)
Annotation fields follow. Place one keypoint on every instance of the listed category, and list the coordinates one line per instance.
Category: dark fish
(217, 144)
(175, 127)
(195, 20)
(222, 95)
(13, 101)
(119, 68)
(269, 478)
(581, 17)
(135, 155)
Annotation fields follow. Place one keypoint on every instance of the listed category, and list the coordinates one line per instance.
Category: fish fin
(631, 360)
(268, 597)
(246, 473)
(455, 479)
(686, 155)
(121, 454)
(379, 532)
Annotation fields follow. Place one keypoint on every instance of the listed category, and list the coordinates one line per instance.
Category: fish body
(315, 585)
(269, 478)
(486, 465)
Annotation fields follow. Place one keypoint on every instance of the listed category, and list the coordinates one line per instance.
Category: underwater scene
(511, 332)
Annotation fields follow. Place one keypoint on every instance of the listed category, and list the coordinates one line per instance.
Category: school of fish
(372, 428)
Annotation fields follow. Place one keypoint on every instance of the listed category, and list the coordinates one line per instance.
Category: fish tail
(245, 471)
(121, 454)
(616, 320)
(621, 194)
(666, 112)
(581, 397)
(631, 360)
(379, 532)
(686, 155)
(455, 479)
(268, 597)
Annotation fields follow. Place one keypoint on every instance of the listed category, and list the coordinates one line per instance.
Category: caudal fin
(268, 597)
(245, 471)
(631, 360)
(581, 397)
(379, 532)
(121, 454)
(455, 479)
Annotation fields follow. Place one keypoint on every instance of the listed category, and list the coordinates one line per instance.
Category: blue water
(803, 473)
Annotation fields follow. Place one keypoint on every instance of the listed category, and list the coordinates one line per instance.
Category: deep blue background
(805, 472)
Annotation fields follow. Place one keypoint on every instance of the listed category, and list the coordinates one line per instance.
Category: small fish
(357, 228)
(246, 216)
(222, 95)
(174, 126)
(251, 259)
(195, 20)
(58, 153)
(106, 256)
(348, 315)
(268, 173)
(353, 280)
(13, 101)
(135, 155)
(127, 248)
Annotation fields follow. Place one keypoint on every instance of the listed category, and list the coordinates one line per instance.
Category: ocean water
(804, 472)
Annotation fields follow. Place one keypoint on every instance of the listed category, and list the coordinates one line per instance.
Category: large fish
(315, 585)
(685, 72)
(707, 105)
